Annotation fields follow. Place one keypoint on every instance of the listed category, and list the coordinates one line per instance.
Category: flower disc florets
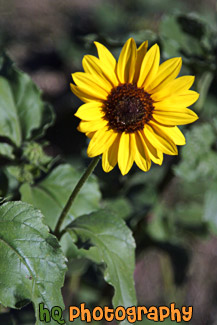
(128, 108)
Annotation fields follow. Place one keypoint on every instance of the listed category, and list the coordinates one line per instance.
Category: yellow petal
(141, 157)
(101, 141)
(86, 84)
(90, 111)
(82, 95)
(159, 139)
(176, 135)
(167, 71)
(105, 56)
(149, 67)
(126, 62)
(155, 155)
(94, 66)
(90, 126)
(174, 87)
(181, 117)
(126, 152)
(175, 102)
(110, 156)
(90, 134)
(90, 65)
(141, 51)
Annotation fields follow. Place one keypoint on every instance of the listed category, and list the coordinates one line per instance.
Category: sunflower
(133, 106)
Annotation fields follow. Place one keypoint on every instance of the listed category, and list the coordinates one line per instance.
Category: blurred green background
(172, 210)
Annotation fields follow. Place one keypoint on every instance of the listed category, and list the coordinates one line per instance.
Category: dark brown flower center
(128, 108)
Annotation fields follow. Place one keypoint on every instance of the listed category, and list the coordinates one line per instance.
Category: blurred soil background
(47, 39)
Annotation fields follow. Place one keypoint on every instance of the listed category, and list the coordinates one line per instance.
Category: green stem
(75, 192)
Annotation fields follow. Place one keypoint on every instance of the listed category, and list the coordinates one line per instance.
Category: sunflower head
(133, 106)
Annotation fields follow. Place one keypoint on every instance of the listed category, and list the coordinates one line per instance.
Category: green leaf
(144, 34)
(9, 121)
(51, 194)
(192, 24)
(23, 114)
(175, 40)
(113, 245)
(119, 206)
(199, 160)
(35, 155)
(6, 151)
(32, 265)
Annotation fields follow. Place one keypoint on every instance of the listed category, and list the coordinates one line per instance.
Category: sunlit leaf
(6, 151)
(112, 244)
(32, 265)
(23, 114)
